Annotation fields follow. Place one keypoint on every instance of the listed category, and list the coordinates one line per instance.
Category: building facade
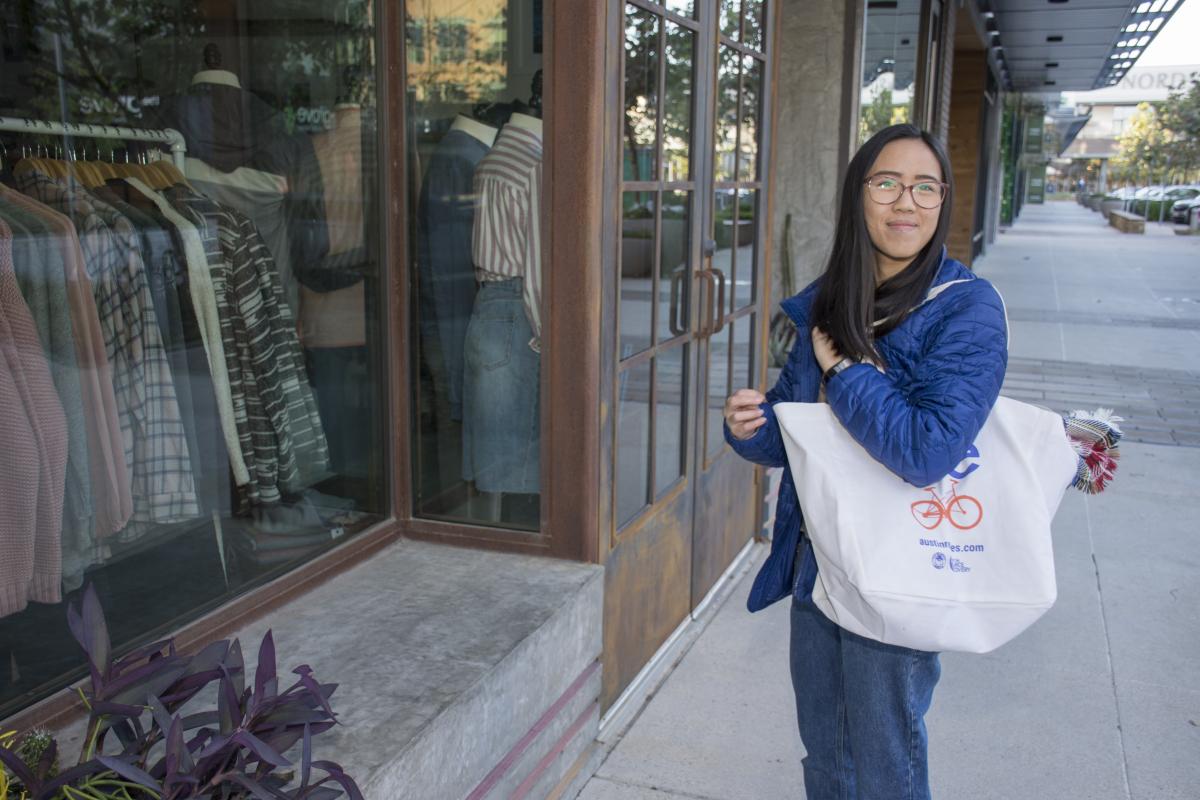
(1107, 113)
(306, 282)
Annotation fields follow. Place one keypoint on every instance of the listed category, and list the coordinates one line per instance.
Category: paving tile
(1160, 727)
(605, 789)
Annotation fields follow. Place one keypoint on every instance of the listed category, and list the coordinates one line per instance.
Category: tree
(1180, 119)
(882, 112)
(1142, 149)
(876, 116)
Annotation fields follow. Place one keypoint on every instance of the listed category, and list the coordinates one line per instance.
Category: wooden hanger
(169, 172)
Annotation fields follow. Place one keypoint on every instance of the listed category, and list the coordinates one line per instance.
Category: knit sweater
(111, 493)
(34, 461)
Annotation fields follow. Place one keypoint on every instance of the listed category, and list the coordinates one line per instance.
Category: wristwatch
(845, 363)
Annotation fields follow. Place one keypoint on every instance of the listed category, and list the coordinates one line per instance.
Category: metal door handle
(676, 281)
(719, 320)
(706, 320)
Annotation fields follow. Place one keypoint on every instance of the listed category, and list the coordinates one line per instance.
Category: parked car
(1182, 208)
(1181, 192)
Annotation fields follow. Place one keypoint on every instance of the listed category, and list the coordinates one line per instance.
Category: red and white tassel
(1095, 437)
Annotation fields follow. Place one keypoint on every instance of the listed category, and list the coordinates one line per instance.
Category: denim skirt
(501, 425)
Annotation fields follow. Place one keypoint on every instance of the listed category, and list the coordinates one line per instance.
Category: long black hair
(848, 304)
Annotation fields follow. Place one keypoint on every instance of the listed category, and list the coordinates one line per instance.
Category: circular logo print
(939, 560)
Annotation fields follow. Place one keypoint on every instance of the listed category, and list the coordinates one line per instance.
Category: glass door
(732, 253)
(687, 295)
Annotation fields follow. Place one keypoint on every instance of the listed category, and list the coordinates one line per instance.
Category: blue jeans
(501, 394)
(861, 708)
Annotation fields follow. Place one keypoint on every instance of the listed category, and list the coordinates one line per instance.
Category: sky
(1176, 42)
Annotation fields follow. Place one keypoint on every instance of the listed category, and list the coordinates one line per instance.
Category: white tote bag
(964, 565)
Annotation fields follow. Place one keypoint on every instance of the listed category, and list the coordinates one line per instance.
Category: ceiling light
(1156, 24)
(1158, 4)
(1142, 8)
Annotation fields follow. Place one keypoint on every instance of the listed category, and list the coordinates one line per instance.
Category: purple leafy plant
(140, 743)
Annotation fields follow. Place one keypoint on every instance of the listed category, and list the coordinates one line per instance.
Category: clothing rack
(167, 136)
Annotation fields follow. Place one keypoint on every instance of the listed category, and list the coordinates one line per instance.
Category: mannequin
(477, 130)
(333, 301)
(240, 155)
(446, 272)
(224, 125)
(501, 397)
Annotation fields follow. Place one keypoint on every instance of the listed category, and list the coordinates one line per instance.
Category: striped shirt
(279, 427)
(507, 238)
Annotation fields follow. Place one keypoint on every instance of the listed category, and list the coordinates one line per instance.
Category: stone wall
(810, 145)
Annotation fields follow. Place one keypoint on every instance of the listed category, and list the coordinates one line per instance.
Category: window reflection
(677, 103)
(206, 347)
(670, 420)
(673, 276)
(638, 248)
(730, 16)
(633, 441)
(751, 108)
(728, 86)
(475, 148)
(641, 94)
(889, 65)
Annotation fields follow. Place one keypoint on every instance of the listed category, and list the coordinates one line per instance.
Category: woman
(913, 382)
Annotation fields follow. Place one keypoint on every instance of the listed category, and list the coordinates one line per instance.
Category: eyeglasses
(886, 191)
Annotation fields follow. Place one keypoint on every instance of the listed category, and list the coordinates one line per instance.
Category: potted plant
(141, 743)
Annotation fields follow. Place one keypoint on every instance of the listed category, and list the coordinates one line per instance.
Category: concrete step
(461, 673)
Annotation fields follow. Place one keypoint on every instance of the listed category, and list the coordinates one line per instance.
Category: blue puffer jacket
(945, 366)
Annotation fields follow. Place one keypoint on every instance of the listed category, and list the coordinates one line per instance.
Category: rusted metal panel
(645, 593)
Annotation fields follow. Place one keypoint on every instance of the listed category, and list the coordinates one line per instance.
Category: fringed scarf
(1095, 436)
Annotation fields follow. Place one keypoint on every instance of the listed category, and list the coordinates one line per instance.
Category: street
(1101, 698)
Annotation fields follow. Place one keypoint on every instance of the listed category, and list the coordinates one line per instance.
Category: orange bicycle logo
(960, 510)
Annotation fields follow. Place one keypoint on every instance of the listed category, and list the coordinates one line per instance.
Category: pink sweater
(33, 460)
(109, 473)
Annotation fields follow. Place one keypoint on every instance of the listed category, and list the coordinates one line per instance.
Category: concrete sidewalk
(1101, 698)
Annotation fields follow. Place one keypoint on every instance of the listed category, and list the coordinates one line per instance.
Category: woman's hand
(742, 413)
(824, 349)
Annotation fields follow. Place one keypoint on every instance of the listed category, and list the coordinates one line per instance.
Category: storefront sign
(1036, 192)
(1035, 133)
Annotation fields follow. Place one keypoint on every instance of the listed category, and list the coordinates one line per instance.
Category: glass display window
(891, 32)
(190, 276)
(475, 156)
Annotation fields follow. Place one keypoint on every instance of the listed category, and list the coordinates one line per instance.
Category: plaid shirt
(152, 429)
(202, 254)
(267, 374)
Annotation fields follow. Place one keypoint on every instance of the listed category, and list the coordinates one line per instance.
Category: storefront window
(475, 160)
(890, 34)
(192, 381)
